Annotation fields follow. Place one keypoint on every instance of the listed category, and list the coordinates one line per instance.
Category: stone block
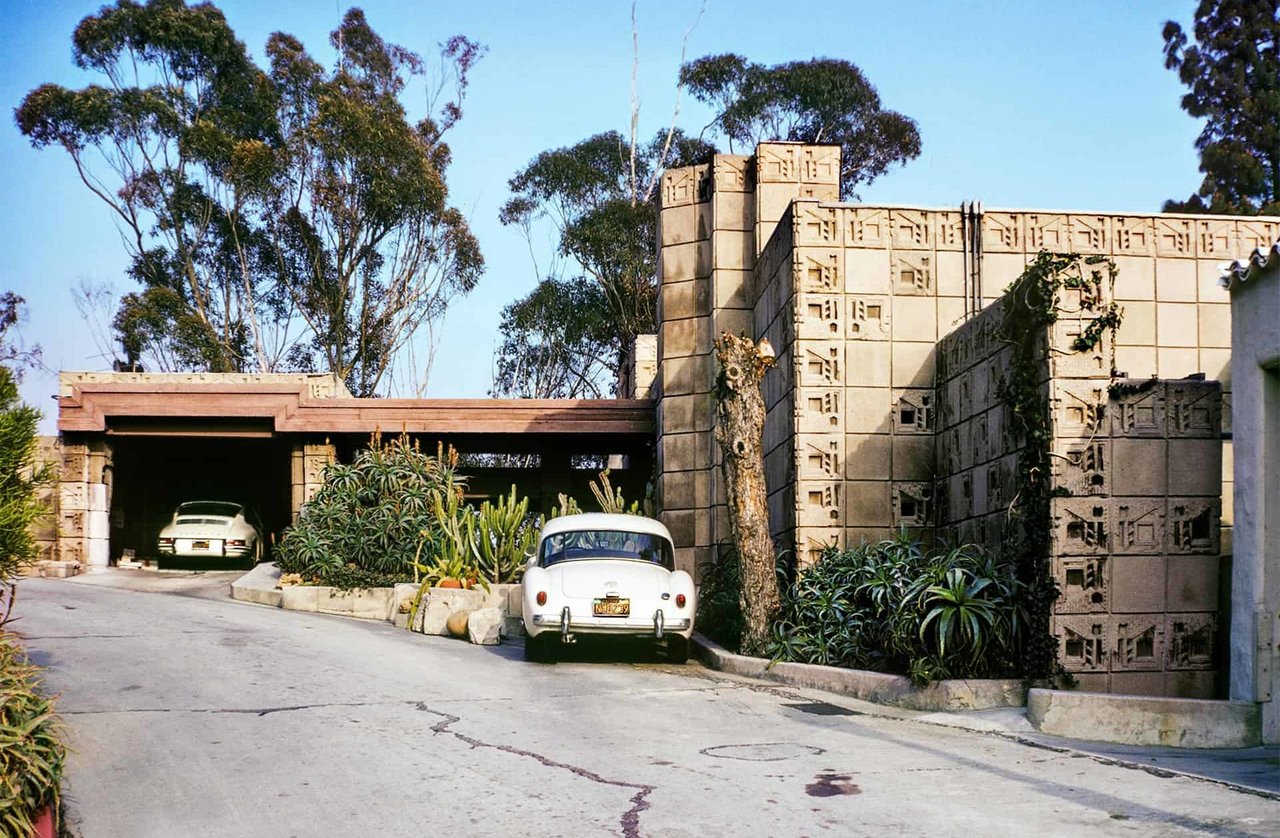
(869, 410)
(1150, 684)
(1215, 325)
(98, 552)
(1136, 584)
(1193, 408)
(913, 364)
(819, 503)
(1082, 583)
(402, 596)
(1176, 280)
(866, 271)
(1136, 362)
(484, 626)
(1216, 365)
(372, 603)
(681, 414)
(1191, 684)
(1192, 526)
(683, 452)
(912, 458)
(820, 363)
(915, 318)
(1192, 583)
(772, 201)
(817, 225)
(869, 504)
(300, 598)
(869, 363)
(73, 496)
(433, 618)
(1080, 526)
(949, 271)
(1137, 525)
(1177, 362)
(334, 601)
(732, 289)
(684, 376)
(685, 337)
(911, 229)
(812, 542)
(1139, 466)
(679, 300)
(1138, 325)
(679, 225)
(913, 411)
(1177, 325)
(733, 249)
(1083, 641)
(680, 523)
(1000, 270)
(869, 456)
(1195, 467)
(820, 457)
(97, 524)
(1208, 272)
(686, 489)
(951, 314)
(1135, 278)
(1191, 639)
(684, 262)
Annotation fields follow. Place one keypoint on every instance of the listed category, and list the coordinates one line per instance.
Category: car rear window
(222, 510)
(606, 544)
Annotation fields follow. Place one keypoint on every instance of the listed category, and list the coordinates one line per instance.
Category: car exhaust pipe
(657, 624)
(565, 636)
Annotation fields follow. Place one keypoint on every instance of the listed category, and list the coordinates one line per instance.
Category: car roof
(604, 521)
(236, 504)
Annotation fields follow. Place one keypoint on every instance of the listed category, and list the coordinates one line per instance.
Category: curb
(876, 687)
(1143, 720)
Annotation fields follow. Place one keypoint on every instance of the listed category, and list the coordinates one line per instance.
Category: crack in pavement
(246, 711)
(630, 820)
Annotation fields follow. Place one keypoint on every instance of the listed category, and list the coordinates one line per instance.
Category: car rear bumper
(632, 626)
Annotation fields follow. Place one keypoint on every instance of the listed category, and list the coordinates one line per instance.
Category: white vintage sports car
(207, 529)
(606, 575)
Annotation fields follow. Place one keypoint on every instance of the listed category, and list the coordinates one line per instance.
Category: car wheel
(252, 562)
(677, 649)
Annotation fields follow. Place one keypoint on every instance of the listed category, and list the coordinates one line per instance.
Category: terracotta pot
(449, 583)
(45, 825)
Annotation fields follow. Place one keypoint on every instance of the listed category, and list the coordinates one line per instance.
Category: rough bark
(740, 432)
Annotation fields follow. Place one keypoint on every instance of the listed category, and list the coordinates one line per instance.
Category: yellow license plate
(199, 545)
(611, 607)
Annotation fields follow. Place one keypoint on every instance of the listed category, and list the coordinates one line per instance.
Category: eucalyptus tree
(822, 100)
(1231, 67)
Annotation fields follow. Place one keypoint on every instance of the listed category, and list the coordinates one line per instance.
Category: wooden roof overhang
(263, 410)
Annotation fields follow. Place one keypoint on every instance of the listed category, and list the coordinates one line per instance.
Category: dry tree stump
(740, 434)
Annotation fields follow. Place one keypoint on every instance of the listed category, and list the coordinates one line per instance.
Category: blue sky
(1020, 104)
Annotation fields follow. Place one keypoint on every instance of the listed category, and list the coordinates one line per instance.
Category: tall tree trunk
(740, 432)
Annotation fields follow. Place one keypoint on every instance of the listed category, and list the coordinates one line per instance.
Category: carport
(134, 445)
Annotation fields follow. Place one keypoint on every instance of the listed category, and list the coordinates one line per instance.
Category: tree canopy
(822, 100)
(1231, 67)
(284, 219)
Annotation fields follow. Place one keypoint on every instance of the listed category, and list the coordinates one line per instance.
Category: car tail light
(680, 600)
(167, 542)
(235, 542)
(542, 597)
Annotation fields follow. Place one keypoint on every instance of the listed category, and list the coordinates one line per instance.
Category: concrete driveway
(193, 716)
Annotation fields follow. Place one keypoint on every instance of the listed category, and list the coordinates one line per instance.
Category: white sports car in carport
(597, 574)
(207, 529)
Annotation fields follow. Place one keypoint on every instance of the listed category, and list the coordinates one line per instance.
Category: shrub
(32, 755)
(719, 611)
(367, 523)
(892, 607)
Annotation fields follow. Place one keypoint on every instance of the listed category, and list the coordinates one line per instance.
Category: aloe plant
(32, 755)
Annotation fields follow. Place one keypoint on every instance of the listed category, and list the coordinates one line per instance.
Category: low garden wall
(500, 604)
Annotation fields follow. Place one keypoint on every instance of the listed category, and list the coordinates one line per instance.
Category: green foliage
(1232, 73)
(557, 343)
(719, 609)
(505, 534)
(612, 502)
(32, 756)
(822, 100)
(371, 515)
(1031, 306)
(600, 197)
(19, 479)
(892, 607)
(284, 219)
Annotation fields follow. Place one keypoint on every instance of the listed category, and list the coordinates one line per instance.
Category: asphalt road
(194, 716)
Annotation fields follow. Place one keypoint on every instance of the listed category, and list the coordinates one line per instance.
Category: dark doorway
(152, 475)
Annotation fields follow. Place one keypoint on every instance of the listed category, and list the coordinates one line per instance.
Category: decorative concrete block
(1081, 467)
(1137, 525)
(1176, 280)
(1191, 639)
(912, 458)
(1192, 583)
(1195, 467)
(869, 317)
(819, 504)
(868, 456)
(1192, 525)
(866, 271)
(821, 363)
(1177, 362)
(821, 317)
(1138, 410)
(1193, 408)
(911, 274)
(1082, 642)
(1215, 325)
(817, 225)
(1137, 642)
(1082, 583)
(912, 503)
(911, 229)
(869, 504)
(913, 364)
(820, 457)
(1080, 526)
(1138, 684)
(1177, 324)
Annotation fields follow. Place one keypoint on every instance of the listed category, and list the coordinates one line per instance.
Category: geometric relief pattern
(911, 229)
(1048, 232)
(1174, 238)
(1002, 232)
(1133, 235)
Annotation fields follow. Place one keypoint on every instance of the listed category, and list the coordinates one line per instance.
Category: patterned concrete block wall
(84, 502)
(307, 472)
(45, 529)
